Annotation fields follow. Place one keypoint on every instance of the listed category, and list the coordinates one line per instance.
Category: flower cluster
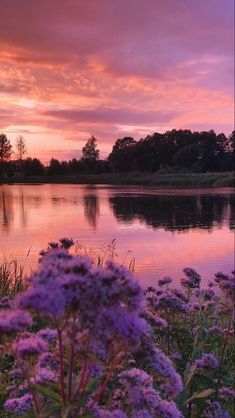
(96, 320)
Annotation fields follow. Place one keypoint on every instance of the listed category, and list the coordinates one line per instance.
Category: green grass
(158, 179)
(12, 277)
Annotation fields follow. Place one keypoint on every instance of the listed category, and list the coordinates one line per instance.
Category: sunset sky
(109, 68)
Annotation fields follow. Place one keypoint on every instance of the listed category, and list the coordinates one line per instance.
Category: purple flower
(168, 409)
(226, 392)
(168, 300)
(48, 359)
(13, 321)
(193, 279)
(165, 280)
(48, 300)
(30, 346)
(214, 410)
(5, 303)
(215, 330)
(19, 405)
(44, 375)
(48, 334)
(153, 358)
(207, 361)
(119, 322)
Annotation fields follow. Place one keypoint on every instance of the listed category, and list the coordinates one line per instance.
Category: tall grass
(12, 277)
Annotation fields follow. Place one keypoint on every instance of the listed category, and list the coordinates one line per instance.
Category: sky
(70, 69)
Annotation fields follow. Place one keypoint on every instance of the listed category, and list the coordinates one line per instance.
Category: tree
(89, 151)
(90, 155)
(20, 146)
(122, 155)
(33, 167)
(5, 148)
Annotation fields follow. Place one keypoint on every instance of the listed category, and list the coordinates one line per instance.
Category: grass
(12, 277)
(158, 179)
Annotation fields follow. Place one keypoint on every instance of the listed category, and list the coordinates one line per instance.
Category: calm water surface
(164, 230)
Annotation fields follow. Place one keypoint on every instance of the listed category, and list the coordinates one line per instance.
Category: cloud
(111, 116)
(111, 68)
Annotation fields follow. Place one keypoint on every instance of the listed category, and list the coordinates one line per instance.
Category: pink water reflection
(163, 230)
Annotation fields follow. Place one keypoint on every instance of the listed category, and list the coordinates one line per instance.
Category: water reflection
(91, 209)
(175, 213)
(6, 210)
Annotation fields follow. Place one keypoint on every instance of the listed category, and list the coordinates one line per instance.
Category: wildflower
(215, 330)
(207, 361)
(45, 299)
(66, 243)
(155, 359)
(155, 320)
(48, 359)
(29, 346)
(47, 334)
(214, 410)
(19, 405)
(166, 409)
(13, 321)
(195, 306)
(44, 375)
(193, 279)
(5, 303)
(168, 300)
(226, 392)
(165, 280)
(126, 325)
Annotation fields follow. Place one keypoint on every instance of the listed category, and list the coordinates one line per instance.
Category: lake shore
(166, 180)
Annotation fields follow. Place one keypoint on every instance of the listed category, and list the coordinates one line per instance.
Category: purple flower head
(118, 322)
(165, 280)
(195, 306)
(19, 405)
(99, 412)
(44, 375)
(221, 276)
(215, 410)
(5, 303)
(193, 279)
(168, 409)
(226, 392)
(66, 243)
(168, 300)
(153, 358)
(215, 330)
(207, 361)
(14, 321)
(179, 293)
(206, 295)
(135, 377)
(44, 299)
(48, 359)
(32, 345)
(155, 320)
(48, 334)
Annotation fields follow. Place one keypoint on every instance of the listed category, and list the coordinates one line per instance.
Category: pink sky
(74, 68)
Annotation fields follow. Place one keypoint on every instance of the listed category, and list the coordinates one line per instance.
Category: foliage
(20, 146)
(87, 341)
(5, 148)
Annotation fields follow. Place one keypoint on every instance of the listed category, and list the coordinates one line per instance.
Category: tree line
(175, 150)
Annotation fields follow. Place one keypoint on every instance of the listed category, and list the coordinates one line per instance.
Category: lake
(161, 230)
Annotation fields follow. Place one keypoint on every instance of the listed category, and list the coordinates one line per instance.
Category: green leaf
(48, 392)
(199, 395)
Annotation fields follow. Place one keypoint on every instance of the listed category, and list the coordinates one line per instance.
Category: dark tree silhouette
(90, 155)
(5, 148)
(89, 151)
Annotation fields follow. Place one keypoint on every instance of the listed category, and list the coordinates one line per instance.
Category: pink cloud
(114, 68)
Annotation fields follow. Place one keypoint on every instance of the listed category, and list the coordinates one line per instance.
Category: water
(163, 230)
